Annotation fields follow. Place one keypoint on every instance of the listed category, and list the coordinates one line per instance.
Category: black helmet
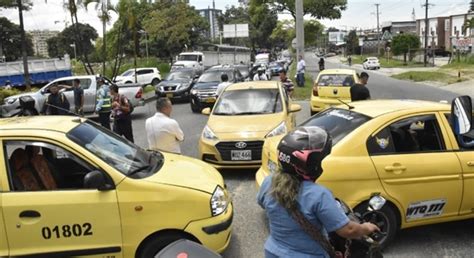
(302, 151)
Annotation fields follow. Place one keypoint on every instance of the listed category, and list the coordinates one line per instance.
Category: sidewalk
(462, 88)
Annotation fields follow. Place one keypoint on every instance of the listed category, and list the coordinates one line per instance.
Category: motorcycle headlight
(11, 100)
(219, 201)
(207, 133)
(280, 129)
(272, 166)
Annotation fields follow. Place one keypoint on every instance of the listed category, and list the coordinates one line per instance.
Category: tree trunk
(405, 58)
(23, 47)
(104, 49)
(135, 46)
(86, 58)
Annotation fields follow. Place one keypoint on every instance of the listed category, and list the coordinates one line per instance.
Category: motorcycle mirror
(376, 203)
(461, 114)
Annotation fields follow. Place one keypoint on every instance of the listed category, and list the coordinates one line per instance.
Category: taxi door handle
(30, 214)
(470, 163)
(395, 168)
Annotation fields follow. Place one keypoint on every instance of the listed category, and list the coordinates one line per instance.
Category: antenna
(345, 103)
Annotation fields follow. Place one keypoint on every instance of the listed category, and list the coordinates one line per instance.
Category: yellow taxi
(404, 149)
(244, 115)
(68, 187)
(331, 86)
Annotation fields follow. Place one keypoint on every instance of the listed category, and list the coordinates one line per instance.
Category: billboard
(236, 30)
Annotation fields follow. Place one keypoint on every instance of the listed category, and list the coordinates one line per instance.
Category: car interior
(44, 167)
(418, 134)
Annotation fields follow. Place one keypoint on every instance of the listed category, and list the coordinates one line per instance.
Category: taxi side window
(468, 137)
(39, 166)
(409, 135)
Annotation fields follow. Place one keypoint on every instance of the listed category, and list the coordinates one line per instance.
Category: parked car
(178, 84)
(204, 92)
(244, 70)
(242, 118)
(99, 195)
(134, 92)
(331, 86)
(275, 68)
(409, 151)
(144, 76)
(371, 63)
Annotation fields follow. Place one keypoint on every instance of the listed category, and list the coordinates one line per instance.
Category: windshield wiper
(248, 113)
(139, 169)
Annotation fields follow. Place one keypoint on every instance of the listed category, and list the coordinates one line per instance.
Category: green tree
(405, 43)
(313, 30)
(234, 15)
(352, 42)
(263, 20)
(283, 33)
(61, 44)
(10, 39)
(163, 26)
(315, 8)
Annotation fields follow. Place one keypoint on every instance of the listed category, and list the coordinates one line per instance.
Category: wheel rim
(382, 221)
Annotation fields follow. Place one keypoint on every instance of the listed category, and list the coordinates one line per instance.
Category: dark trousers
(104, 119)
(300, 79)
(123, 127)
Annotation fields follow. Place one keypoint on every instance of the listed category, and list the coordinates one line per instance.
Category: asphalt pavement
(250, 225)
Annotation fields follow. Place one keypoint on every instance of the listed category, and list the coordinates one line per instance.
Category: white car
(144, 76)
(371, 63)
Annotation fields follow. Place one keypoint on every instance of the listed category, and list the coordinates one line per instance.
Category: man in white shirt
(260, 75)
(300, 67)
(163, 132)
(224, 83)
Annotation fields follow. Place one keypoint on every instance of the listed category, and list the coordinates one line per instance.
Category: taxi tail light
(315, 91)
(139, 93)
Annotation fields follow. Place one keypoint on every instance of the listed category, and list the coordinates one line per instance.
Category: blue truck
(41, 71)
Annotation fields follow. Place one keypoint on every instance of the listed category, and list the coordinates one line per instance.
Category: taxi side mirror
(206, 111)
(461, 113)
(97, 180)
(294, 108)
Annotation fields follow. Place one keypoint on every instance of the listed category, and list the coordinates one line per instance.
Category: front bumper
(204, 101)
(214, 232)
(9, 110)
(179, 94)
(209, 153)
(319, 103)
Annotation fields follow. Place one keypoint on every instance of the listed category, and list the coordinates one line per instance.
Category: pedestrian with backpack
(56, 103)
(121, 112)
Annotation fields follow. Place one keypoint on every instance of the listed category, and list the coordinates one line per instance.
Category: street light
(146, 42)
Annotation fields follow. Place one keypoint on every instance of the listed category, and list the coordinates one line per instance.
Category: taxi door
(3, 233)
(67, 221)
(466, 157)
(416, 167)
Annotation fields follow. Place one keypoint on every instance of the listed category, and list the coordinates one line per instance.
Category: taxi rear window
(338, 122)
(346, 80)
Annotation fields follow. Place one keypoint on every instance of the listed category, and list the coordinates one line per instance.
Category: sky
(359, 13)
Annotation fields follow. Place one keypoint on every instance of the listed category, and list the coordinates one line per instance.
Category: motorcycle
(27, 107)
(186, 249)
(366, 247)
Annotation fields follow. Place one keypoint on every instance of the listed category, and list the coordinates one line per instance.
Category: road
(250, 225)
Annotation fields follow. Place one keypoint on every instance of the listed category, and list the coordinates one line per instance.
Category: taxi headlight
(280, 129)
(272, 166)
(207, 133)
(11, 101)
(219, 201)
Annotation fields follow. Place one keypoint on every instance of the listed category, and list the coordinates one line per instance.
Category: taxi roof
(254, 85)
(375, 108)
(49, 123)
(338, 71)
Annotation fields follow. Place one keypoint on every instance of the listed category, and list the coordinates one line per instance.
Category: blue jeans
(300, 79)
(269, 255)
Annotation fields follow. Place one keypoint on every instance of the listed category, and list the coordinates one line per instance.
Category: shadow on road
(238, 174)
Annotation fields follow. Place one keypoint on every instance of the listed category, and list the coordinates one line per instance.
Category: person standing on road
(287, 83)
(103, 105)
(224, 83)
(260, 75)
(300, 68)
(359, 91)
(349, 60)
(56, 103)
(300, 211)
(78, 96)
(121, 112)
(163, 132)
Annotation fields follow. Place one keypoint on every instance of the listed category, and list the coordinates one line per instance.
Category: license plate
(210, 100)
(241, 154)
(169, 95)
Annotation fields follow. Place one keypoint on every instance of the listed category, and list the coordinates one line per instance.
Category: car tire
(194, 107)
(155, 81)
(385, 218)
(127, 82)
(154, 245)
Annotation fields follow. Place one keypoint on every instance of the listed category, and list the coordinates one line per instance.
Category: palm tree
(103, 6)
(128, 12)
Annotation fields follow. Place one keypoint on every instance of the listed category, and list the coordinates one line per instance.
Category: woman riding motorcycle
(298, 209)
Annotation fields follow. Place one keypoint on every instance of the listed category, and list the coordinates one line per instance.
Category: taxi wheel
(385, 218)
(154, 245)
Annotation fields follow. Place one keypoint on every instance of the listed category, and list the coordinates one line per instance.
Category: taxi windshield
(336, 80)
(124, 156)
(337, 122)
(249, 102)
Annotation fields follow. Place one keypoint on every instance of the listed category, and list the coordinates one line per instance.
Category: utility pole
(23, 46)
(427, 27)
(299, 29)
(378, 29)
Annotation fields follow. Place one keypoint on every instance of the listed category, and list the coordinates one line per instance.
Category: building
(211, 15)
(458, 37)
(39, 38)
(399, 27)
(437, 32)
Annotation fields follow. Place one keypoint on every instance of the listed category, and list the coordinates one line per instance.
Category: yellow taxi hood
(187, 172)
(251, 123)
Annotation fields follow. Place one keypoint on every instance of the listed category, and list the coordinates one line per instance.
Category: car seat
(23, 175)
(42, 167)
